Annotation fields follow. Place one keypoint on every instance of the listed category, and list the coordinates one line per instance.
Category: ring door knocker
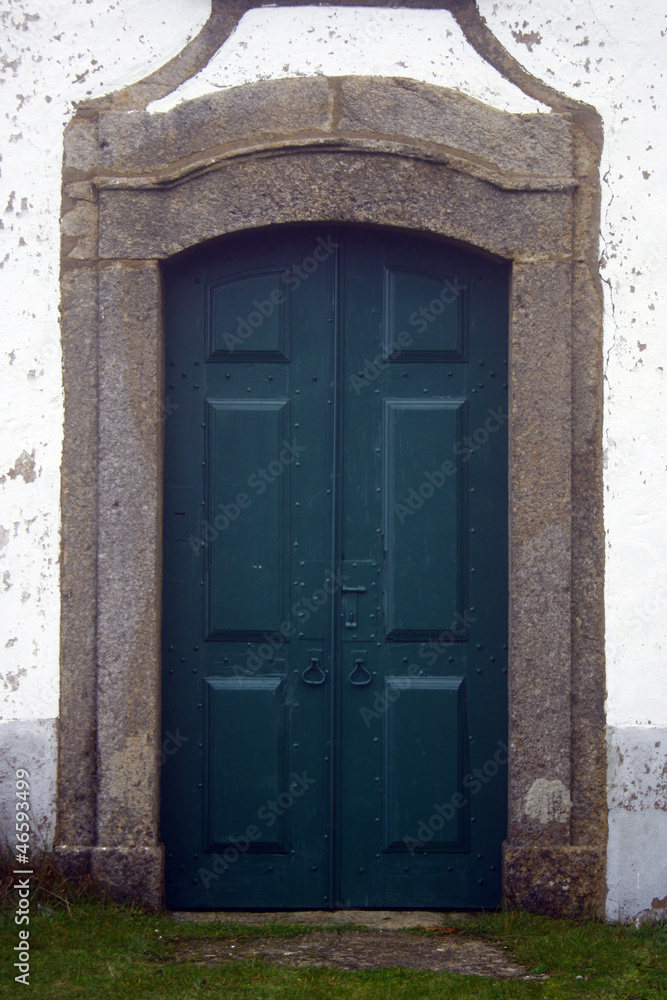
(360, 676)
(314, 673)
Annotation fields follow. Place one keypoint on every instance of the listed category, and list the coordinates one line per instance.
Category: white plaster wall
(422, 44)
(615, 57)
(52, 53)
(611, 55)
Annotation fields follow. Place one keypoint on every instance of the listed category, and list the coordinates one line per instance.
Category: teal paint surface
(335, 572)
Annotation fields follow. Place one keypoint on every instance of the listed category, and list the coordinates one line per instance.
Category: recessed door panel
(248, 318)
(425, 516)
(247, 533)
(424, 765)
(246, 761)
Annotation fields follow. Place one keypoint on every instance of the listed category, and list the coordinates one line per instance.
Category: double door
(335, 578)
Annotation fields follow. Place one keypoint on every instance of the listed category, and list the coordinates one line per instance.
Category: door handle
(360, 676)
(314, 673)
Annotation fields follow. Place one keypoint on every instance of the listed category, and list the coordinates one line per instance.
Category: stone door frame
(139, 188)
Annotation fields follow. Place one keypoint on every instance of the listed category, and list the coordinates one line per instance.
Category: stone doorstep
(395, 920)
(382, 944)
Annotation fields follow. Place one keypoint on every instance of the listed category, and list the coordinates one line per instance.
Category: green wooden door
(335, 595)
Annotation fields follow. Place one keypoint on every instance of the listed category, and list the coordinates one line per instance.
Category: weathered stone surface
(589, 754)
(520, 150)
(80, 147)
(313, 186)
(72, 862)
(557, 881)
(80, 225)
(523, 144)
(540, 546)
(130, 546)
(78, 565)
(129, 873)
(238, 116)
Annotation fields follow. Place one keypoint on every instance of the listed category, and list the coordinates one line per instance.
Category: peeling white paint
(636, 865)
(424, 45)
(53, 53)
(613, 56)
(21, 744)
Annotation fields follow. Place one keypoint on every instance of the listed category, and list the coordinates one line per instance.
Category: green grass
(95, 950)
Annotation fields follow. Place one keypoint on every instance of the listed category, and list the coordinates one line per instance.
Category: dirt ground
(383, 943)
